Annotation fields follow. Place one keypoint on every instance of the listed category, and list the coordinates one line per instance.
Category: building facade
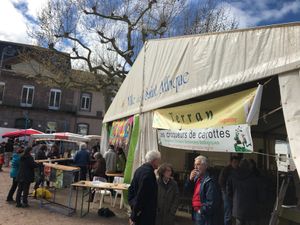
(27, 103)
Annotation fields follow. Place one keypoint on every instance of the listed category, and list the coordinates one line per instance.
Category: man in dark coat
(206, 200)
(25, 177)
(142, 193)
(243, 188)
(223, 178)
(82, 160)
(40, 155)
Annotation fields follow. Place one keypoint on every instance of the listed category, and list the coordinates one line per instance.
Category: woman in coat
(15, 164)
(99, 168)
(168, 194)
(25, 177)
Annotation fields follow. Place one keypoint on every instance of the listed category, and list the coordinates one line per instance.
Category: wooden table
(44, 203)
(62, 167)
(88, 185)
(53, 160)
(114, 174)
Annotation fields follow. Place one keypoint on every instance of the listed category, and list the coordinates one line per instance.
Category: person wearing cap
(15, 165)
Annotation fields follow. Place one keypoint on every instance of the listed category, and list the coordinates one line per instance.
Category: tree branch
(88, 58)
(124, 54)
(111, 17)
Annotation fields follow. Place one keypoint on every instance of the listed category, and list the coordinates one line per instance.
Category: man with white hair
(142, 193)
(206, 200)
(82, 160)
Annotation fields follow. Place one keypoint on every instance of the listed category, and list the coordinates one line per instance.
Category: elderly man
(142, 194)
(206, 200)
(82, 160)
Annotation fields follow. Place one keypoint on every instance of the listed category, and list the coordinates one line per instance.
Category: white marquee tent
(168, 71)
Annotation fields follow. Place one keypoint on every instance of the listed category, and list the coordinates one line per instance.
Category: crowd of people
(6, 151)
(153, 197)
(24, 170)
(236, 194)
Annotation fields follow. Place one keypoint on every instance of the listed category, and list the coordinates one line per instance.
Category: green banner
(131, 152)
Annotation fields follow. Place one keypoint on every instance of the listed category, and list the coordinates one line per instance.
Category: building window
(54, 99)
(85, 103)
(23, 123)
(2, 87)
(27, 96)
(82, 128)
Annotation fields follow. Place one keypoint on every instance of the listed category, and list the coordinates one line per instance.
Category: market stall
(65, 136)
(65, 141)
(189, 94)
(59, 171)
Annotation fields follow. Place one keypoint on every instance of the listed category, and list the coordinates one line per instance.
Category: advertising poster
(237, 108)
(120, 132)
(234, 138)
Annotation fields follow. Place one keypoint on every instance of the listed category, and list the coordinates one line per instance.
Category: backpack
(105, 212)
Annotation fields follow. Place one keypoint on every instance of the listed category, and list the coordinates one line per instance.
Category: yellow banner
(227, 110)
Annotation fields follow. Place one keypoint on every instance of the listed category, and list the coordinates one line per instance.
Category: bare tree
(207, 16)
(104, 37)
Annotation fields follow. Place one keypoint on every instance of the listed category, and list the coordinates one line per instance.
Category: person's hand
(131, 222)
(193, 174)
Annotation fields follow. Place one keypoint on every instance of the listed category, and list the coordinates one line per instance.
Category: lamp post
(26, 122)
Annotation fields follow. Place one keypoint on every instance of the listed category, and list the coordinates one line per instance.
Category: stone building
(27, 103)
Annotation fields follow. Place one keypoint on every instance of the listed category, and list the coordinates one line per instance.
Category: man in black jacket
(142, 194)
(25, 177)
(40, 155)
(223, 178)
(243, 188)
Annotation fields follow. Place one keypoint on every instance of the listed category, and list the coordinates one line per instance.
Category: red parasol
(21, 133)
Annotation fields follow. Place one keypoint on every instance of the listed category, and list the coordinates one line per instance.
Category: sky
(17, 15)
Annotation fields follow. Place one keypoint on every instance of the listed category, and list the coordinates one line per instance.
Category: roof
(172, 70)
(9, 43)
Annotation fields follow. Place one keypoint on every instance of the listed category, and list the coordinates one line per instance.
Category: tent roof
(171, 70)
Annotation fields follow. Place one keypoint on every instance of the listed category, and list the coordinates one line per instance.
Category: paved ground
(10, 215)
